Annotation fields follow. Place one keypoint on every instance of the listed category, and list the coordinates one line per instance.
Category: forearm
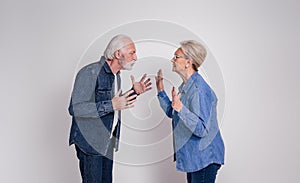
(165, 103)
(193, 122)
(84, 110)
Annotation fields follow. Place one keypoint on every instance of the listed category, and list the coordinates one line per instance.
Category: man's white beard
(126, 66)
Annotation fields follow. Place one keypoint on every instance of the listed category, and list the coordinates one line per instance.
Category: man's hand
(123, 102)
(141, 86)
(159, 81)
(176, 102)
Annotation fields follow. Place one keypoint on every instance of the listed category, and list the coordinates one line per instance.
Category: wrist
(159, 89)
(134, 92)
(178, 107)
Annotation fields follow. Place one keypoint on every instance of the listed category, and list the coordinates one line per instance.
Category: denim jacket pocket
(102, 95)
(103, 101)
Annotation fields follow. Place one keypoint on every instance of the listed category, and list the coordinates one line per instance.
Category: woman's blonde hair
(195, 51)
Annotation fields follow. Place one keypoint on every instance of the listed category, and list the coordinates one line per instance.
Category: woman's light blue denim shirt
(197, 138)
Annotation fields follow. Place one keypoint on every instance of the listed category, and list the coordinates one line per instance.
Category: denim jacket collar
(106, 66)
(183, 88)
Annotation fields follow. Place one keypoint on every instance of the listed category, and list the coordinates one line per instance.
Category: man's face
(128, 56)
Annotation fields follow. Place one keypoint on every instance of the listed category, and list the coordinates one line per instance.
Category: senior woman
(198, 145)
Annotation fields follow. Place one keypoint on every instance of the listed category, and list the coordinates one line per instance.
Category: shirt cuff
(134, 93)
(162, 94)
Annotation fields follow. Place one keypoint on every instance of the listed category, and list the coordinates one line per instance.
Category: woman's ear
(189, 62)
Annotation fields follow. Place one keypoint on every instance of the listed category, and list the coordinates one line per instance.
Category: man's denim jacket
(197, 139)
(92, 111)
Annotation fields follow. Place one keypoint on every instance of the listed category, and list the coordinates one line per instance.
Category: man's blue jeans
(94, 168)
(205, 175)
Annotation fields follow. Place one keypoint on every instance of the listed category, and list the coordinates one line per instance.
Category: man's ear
(117, 54)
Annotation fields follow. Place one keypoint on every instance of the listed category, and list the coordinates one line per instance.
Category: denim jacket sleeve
(83, 96)
(196, 116)
(165, 103)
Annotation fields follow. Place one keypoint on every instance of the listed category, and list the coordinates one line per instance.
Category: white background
(256, 44)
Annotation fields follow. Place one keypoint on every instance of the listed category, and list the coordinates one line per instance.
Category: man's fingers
(118, 93)
(148, 88)
(131, 102)
(147, 81)
(143, 78)
(129, 106)
(148, 84)
(131, 97)
(128, 93)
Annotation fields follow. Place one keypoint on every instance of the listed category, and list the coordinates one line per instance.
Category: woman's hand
(176, 102)
(159, 81)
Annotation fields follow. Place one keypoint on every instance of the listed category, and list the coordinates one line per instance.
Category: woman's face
(179, 62)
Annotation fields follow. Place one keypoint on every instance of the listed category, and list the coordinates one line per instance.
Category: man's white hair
(116, 43)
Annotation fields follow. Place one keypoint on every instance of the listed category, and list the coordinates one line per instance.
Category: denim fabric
(94, 168)
(197, 138)
(91, 109)
(205, 175)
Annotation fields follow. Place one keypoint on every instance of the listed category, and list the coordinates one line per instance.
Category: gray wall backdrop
(254, 43)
